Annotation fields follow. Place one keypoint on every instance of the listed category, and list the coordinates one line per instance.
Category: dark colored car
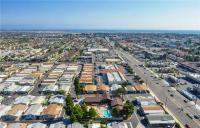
(187, 126)
(197, 116)
(185, 101)
(172, 95)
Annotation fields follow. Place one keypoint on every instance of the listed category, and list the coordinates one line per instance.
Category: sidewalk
(140, 126)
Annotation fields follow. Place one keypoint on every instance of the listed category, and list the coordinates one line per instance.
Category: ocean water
(133, 31)
(105, 31)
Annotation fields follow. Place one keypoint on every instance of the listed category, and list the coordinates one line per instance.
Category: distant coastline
(103, 31)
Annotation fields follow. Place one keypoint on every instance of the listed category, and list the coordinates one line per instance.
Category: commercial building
(113, 60)
(172, 79)
(193, 77)
(149, 106)
(99, 50)
(160, 120)
(114, 75)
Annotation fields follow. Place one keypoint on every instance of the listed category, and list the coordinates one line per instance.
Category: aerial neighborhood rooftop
(99, 80)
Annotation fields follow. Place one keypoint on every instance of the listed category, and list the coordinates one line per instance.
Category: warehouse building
(160, 120)
(193, 77)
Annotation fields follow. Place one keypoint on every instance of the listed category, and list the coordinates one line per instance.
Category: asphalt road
(174, 104)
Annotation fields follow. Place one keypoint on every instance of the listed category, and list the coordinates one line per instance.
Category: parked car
(185, 100)
(172, 95)
(197, 116)
(187, 126)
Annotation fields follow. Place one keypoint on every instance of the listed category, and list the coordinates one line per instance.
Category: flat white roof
(34, 109)
(160, 119)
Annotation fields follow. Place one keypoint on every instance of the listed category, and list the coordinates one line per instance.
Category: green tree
(69, 110)
(72, 118)
(69, 101)
(85, 110)
(78, 112)
(61, 92)
(1, 69)
(92, 113)
(81, 52)
(78, 88)
(121, 91)
(128, 109)
(129, 69)
(69, 105)
(124, 84)
(115, 112)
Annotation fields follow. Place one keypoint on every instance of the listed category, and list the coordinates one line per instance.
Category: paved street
(135, 120)
(174, 104)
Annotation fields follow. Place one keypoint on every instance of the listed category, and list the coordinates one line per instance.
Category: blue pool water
(107, 114)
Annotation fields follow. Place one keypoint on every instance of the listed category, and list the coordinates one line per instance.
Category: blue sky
(100, 14)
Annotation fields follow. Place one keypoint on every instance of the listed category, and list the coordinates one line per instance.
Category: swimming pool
(107, 114)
